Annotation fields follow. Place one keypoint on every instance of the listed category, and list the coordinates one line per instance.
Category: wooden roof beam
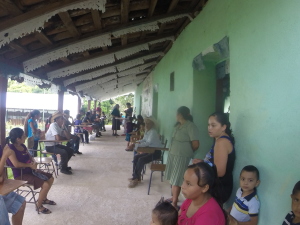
(111, 50)
(10, 7)
(17, 47)
(36, 13)
(173, 5)
(68, 22)
(43, 38)
(124, 11)
(97, 19)
(152, 7)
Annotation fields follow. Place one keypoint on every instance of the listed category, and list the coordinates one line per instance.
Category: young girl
(203, 203)
(164, 214)
(293, 218)
(31, 131)
(21, 158)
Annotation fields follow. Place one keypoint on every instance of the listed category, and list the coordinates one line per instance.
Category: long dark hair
(208, 175)
(30, 115)
(13, 135)
(223, 119)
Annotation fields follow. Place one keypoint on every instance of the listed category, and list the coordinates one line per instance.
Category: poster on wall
(147, 97)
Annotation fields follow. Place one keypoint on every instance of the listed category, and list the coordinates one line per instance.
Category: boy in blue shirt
(293, 217)
(246, 205)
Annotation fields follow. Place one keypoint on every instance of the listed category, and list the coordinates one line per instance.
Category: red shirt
(209, 214)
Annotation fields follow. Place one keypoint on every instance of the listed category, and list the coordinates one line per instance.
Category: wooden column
(79, 105)
(3, 90)
(95, 104)
(60, 106)
(89, 105)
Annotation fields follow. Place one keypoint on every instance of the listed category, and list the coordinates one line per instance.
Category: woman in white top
(151, 139)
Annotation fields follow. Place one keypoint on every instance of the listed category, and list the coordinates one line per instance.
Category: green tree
(14, 86)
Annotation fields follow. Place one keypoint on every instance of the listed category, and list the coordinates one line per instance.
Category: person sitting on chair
(151, 139)
(75, 140)
(21, 158)
(57, 132)
(12, 202)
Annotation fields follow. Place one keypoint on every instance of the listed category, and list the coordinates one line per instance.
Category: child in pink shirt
(203, 204)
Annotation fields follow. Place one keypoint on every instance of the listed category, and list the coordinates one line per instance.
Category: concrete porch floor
(97, 192)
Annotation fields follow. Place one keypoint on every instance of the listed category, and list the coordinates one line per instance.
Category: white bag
(92, 137)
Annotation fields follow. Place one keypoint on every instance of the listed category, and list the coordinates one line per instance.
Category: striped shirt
(289, 219)
(245, 207)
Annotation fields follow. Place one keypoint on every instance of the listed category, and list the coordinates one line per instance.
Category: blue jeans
(10, 203)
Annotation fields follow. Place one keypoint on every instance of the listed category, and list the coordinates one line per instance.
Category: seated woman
(151, 139)
(78, 129)
(57, 132)
(20, 157)
(222, 152)
(12, 202)
(203, 204)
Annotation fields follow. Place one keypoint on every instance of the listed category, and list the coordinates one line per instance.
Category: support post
(89, 105)
(95, 104)
(3, 91)
(60, 106)
(79, 105)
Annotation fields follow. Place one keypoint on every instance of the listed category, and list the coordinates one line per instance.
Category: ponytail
(223, 119)
(7, 140)
(208, 175)
(14, 134)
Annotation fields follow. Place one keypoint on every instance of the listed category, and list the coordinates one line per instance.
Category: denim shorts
(13, 202)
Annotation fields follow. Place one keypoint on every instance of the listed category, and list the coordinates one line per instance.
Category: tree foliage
(107, 107)
(14, 86)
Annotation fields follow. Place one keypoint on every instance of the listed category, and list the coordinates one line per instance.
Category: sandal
(43, 210)
(49, 202)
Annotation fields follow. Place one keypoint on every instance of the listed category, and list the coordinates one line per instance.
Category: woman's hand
(33, 165)
(197, 161)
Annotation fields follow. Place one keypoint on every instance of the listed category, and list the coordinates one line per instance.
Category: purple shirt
(78, 129)
(129, 127)
(23, 157)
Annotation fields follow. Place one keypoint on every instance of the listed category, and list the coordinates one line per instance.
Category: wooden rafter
(43, 38)
(97, 19)
(35, 13)
(152, 7)
(111, 50)
(66, 35)
(17, 47)
(173, 5)
(68, 22)
(11, 8)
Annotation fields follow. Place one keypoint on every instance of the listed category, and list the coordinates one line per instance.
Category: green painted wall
(204, 95)
(264, 66)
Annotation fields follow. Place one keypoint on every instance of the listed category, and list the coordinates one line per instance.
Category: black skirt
(116, 124)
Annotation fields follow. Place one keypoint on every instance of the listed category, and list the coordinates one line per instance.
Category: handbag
(40, 175)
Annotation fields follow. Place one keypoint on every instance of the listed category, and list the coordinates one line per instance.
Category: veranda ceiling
(98, 48)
